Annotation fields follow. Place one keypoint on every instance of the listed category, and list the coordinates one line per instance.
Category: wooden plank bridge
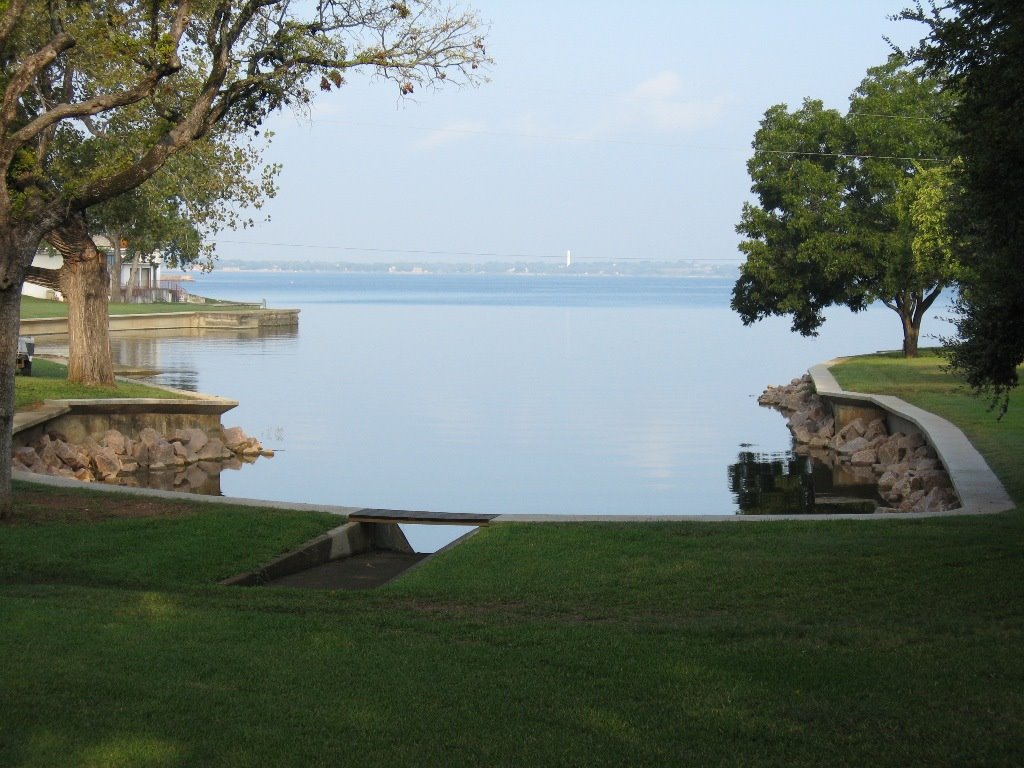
(426, 518)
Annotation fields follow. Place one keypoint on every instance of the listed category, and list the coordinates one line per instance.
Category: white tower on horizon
(568, 259)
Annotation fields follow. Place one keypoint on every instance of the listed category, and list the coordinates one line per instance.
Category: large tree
(833, 223)
(977, 48)
(193, 66)
(197, 192)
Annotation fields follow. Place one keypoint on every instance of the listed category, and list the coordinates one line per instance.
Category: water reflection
(793, 484)
(766, 484)
(491, 394)
(169, 356)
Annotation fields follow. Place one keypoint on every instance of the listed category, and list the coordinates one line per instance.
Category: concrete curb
(237, 501)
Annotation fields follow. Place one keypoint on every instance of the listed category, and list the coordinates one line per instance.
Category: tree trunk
(911, 333)
(84, 281)
(17, 248)
(84, 285)
(10, 321)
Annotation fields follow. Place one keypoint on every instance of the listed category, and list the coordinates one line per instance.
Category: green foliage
(833, 221)
(799, 257)
(977, 47)
(925, 198)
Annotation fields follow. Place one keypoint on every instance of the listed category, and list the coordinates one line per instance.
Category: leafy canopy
(834, 222)
(976, 47)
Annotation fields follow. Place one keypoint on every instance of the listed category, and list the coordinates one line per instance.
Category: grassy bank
(49, 382)
(33, 308)
(848, 643)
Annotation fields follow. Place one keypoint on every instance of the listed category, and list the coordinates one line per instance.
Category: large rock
(107, 463)
(802, 434)
(193, 438)
(864, 458)
(850, 447)
(72, 457)
(888, 479)
(912, 441)
(934, 478)
(233, 438)
(149, 436)
(889, 452)
(117, 442)
(854, 429)
(214, 450)
(875, 429)
(923, 465)
(161, 455)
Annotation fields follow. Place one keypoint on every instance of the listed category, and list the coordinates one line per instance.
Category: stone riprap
(909, 475)
(188, 457)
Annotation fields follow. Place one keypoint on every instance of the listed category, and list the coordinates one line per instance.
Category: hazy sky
(616, 130)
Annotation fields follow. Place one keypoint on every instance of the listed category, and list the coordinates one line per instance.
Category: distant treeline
(723, 269)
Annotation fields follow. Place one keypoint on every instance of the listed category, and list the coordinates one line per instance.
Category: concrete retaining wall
(344, 541)
(247, 319)
(78, 419)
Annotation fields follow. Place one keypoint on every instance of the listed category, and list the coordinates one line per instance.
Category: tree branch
(9, 19)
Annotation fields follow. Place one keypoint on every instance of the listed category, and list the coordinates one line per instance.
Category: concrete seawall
(234, 319)
(976, 484)
(79, 419)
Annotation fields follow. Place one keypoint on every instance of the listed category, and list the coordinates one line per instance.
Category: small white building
(147, 273)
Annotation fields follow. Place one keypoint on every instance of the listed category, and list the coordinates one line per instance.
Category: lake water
(501, 393)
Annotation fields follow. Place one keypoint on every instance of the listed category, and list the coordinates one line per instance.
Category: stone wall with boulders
(909, 475)
(184, 460)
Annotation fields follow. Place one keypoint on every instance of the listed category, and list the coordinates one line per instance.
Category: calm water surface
(536, 394)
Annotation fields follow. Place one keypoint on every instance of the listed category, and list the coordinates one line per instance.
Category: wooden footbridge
(424, 518)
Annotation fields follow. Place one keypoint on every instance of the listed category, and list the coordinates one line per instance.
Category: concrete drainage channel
(368, 551)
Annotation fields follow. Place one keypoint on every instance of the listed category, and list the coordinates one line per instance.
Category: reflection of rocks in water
(861, 453)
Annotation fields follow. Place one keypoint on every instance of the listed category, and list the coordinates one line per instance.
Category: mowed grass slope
(848, 643)
(33, 308)
(49, 382)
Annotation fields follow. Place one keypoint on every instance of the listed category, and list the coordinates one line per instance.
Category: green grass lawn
(49, 382)
(34, 308)
(846, 643)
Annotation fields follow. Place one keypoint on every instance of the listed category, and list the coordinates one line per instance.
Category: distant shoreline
(626, 268)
